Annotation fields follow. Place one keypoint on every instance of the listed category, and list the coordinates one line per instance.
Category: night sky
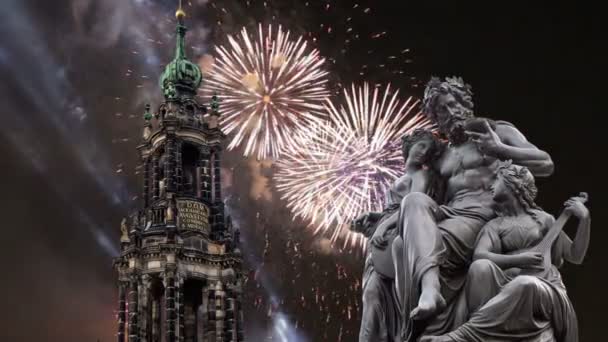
(76, 75)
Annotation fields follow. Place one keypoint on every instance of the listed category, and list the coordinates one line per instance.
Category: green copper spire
(181, 77)
(180, 45)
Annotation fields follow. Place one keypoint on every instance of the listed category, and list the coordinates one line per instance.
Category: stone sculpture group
(461, 251)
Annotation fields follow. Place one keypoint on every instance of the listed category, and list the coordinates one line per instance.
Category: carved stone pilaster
(146, 175)
(217, 181)
(220, 312)
(155, 177)
(170, 163)
(144, 303)
(205, 174)
(180, 309)
(230, 326)
(179, 172)
(122, 306)
(133, 310)
(170, 309)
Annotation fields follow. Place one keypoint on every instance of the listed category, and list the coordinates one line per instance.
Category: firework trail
(343, 168)
(270, 86)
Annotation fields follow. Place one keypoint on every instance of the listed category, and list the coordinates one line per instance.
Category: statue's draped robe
(433, 235)
(380, 316)
(497, 305)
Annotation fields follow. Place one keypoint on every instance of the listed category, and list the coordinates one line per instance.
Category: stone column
(170, 164)
(220, 313)
(178, 166)
(133, 314)
(204, 182)
(230, 327)
(218, 204)
(146, 171)
(144, 301)
(155, 177)
(122, 305)
(170, 306)
(180, 309)
(217, 181)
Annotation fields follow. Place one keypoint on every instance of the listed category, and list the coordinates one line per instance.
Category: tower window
(190, 157)
(162, 174)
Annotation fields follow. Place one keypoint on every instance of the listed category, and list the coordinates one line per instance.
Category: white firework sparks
(344, 167)
(270, 87)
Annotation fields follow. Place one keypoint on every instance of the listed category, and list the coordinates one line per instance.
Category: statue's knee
(416, 199)
(524, 282)
(480, 269)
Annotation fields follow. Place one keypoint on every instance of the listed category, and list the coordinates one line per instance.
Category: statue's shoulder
(507, 131)
(544, 217)
(502, 123)
(494, 124)
(505, 127)
(401, 182)
(403, 178)
(480, 124)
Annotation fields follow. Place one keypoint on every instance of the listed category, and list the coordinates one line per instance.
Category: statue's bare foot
(431, 302)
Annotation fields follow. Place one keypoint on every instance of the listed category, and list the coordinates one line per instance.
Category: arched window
(157, 313)
(193, 311)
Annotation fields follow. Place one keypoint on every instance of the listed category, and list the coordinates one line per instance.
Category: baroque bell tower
(179, 271)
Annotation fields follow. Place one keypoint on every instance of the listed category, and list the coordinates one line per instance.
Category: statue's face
(451, 115)
(500, 191)
(418, 153)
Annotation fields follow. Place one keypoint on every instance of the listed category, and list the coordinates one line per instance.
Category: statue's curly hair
(408, 140)
(452, 85)
(522, 184)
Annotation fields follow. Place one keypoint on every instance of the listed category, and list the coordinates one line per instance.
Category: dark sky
(75, 75)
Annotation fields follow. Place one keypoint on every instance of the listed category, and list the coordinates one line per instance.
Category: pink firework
(342, 168)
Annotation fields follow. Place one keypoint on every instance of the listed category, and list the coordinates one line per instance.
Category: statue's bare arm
(507, 142)
(575, 251)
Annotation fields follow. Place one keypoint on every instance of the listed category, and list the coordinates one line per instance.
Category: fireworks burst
(270, 87)
(343, 168)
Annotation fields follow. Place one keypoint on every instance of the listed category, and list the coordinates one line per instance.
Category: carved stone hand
(489, 142)
(576, 207)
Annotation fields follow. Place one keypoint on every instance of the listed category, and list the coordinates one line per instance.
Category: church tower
(179, 271)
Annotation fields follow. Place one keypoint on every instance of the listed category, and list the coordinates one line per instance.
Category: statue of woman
(510, 295)
(380, 317)
(124, 231)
